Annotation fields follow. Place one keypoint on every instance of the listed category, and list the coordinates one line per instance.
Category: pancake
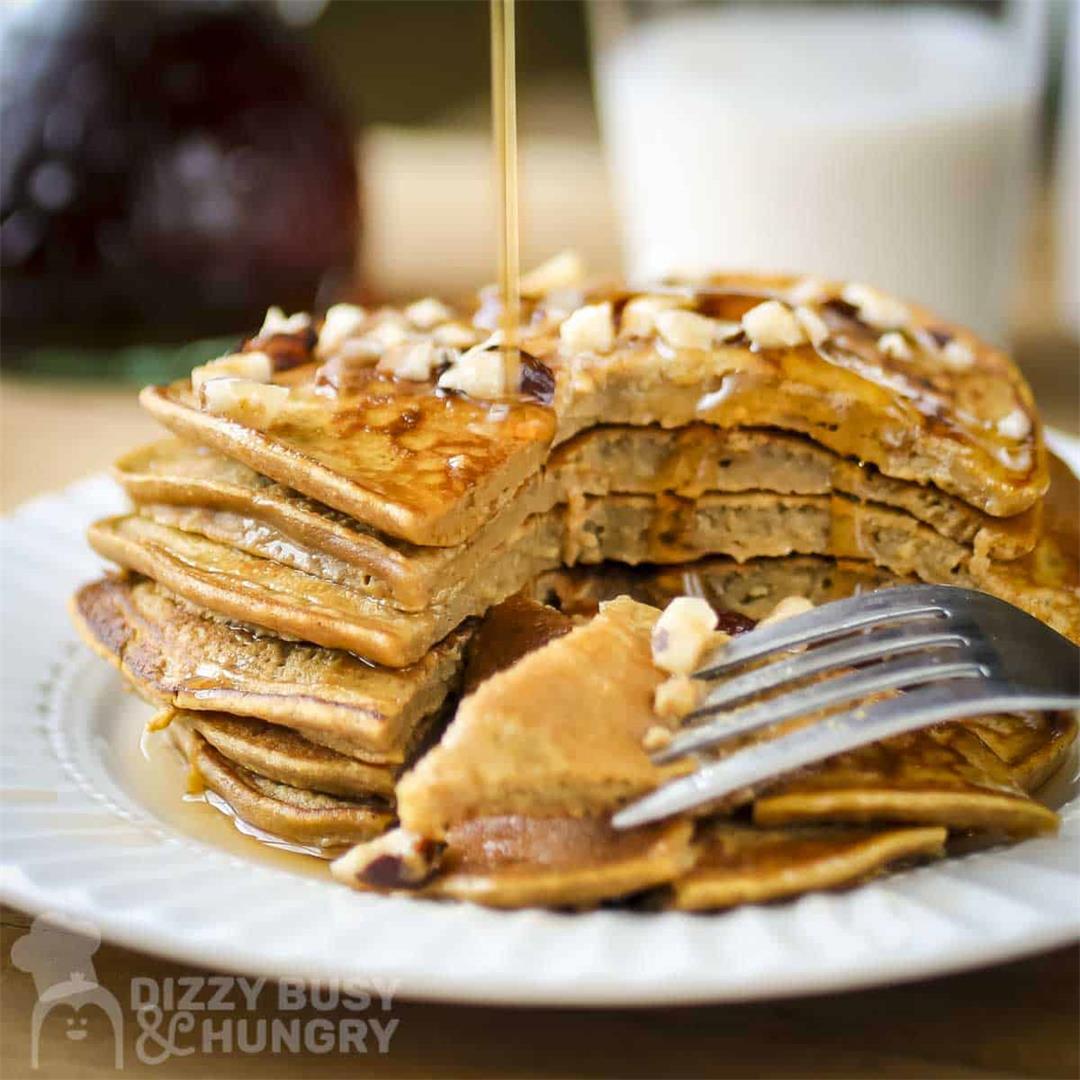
(384, 456)
(433, 466)
(513, 862)
(1032, 745)
(750, 589)
(279, 754)
(303, 817)
(628, 528)
(738, 864)
(173, 655)
(941, 776)
(193, 488)
(558, 734)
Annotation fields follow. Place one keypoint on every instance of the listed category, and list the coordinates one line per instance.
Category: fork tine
(872, 645)
(909, 711)
(889, 675)
(838, 618)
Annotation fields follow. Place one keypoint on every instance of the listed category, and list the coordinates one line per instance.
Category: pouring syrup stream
(504, 122)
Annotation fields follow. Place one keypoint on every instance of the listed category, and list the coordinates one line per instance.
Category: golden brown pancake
(941, 776)
(740, 864)
(513, 862)
(216, 574)
(302, 817)
(557, 734)
(193, 488)
(750, 589)
(432, 467)
(173, 655)
(426, 468)
(277, 753)
(1032, 745)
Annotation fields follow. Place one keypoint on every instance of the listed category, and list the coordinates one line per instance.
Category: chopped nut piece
(1015, 425)
(390, 329)
(817, 330)
(480, 373)
(682, 634)
(277, 322)
(455, 335)
(808, 290)
(639, 315)
(957, 356)
(657, 737)
(562, 271)
(876, 308)
(252, 403)
(895, 346)
(589, 329)
(686, 329)
(346, 370)
(428, 313)
(254, 365)
(396, 860)
(773, 325)
(414, 360)
(786, 609)
(341, 322)
(675, 698)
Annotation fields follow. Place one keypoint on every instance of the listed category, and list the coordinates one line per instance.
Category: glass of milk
(889, 143)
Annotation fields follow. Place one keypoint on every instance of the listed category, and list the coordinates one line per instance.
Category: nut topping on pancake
(398, 859)
(415, 360)
(562, 271)
(341, 322)
(277, 322)
(675, 698)
(456, 335)
(639, 315)
(1015, 425)
(786, 609)
(876, 309)
(244, 400)
(682, 634)
(480, 373)
(255, 366)
(817, 329)
(957, 356)
(895, 345)
(428, 313)
(772, 325)
(590, 329)
(688, 330)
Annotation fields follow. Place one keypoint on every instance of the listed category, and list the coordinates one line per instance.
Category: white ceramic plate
(88, 832)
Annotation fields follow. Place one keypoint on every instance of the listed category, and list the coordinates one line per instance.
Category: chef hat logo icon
(57, 952)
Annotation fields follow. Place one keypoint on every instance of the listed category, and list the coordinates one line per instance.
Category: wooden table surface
(1016, 1019)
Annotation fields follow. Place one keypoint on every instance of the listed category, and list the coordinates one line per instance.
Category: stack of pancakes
(343, 503)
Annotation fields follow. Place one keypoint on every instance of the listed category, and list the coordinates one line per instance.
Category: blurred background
(169, 168)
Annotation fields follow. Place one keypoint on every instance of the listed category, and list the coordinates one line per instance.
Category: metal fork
(953, 652)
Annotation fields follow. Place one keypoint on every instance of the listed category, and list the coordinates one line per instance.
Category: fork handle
(834, 735)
